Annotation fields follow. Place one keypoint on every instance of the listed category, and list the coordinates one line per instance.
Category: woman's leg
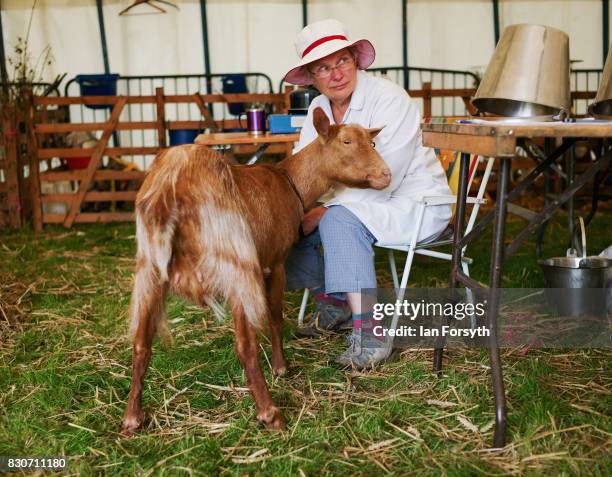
(348, 252)
(304, 265)
(349, 268)
(304, 268)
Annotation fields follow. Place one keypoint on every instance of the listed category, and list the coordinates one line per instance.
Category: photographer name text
(423, 331)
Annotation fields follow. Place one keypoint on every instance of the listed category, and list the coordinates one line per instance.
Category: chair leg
(303, 307)
(469, 295)
(393, 269)
(400, 296)
(407, 266)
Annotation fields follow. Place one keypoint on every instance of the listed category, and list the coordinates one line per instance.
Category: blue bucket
(98, 85)
(183, 136)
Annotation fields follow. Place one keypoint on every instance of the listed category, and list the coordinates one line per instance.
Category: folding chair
(428, 201)
(428, 248)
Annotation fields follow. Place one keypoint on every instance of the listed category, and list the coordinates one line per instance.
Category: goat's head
(350, 157)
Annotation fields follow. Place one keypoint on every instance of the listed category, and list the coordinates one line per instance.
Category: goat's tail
(156, 211)
(155, 242)
(147, 306)
(156, 218)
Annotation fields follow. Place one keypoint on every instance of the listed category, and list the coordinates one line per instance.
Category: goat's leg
(248, 353)
(147, 307)
(275, 286)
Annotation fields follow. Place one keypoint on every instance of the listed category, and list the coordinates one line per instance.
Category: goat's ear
(373, 132)
(321, 122)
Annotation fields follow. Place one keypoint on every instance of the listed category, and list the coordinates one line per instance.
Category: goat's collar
(285, 173)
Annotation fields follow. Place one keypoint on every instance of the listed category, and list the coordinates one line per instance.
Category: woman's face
(335, 76)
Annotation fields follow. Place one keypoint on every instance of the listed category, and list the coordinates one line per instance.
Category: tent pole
(405, 43)
(304, 13)
(496, 20)
(605, 6)
(3, 72)
(103, 36)
(205, 44)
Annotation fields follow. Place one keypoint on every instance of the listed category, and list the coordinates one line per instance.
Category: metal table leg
(457, 236)
(547, 193)
(495, 275)
(597, 182)
(260, 152)
(570, 164)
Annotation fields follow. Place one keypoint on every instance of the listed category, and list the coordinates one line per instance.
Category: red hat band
(320, 41)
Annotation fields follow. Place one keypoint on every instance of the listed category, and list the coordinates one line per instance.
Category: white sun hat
(320, 39)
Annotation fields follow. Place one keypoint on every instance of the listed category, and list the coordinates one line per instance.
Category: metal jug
(602, 106)
(578, 285)
(528, 75)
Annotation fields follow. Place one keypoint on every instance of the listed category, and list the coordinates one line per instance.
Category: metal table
(262, 140)
(494, 139)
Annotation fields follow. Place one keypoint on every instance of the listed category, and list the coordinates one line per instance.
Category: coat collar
(358, 98)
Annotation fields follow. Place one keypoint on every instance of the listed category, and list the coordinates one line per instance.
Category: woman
(350, 221)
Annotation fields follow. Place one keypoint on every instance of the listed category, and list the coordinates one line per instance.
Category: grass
(64, 379)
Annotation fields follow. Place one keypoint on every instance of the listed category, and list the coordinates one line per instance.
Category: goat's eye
(373, 143)
(346, 141)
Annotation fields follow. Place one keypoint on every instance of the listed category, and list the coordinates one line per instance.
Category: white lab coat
(390, 214)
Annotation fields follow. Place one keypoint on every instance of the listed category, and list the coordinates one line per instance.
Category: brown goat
(206, 228)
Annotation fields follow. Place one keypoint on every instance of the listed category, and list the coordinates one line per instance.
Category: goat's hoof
(280, 370)
(130, 424)
(272, 419)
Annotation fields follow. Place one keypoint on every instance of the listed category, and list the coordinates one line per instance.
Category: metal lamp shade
(528, 75)
(602, 107)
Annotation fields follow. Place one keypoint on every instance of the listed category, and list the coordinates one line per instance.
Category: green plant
(24, 73)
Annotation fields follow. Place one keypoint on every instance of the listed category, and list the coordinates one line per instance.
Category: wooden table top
(536, 129)
(217, 139)
(498, 139)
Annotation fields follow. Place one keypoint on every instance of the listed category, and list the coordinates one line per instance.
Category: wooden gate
(81, 180)
(15, 146)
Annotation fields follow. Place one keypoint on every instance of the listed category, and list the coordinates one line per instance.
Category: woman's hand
(312, 218)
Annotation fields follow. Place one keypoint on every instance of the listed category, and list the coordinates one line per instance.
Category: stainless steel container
(528, 75)
(602, 106)
(578, 286)
(300, 99)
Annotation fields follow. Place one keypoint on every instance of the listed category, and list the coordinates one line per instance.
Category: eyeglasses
(324, 71)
